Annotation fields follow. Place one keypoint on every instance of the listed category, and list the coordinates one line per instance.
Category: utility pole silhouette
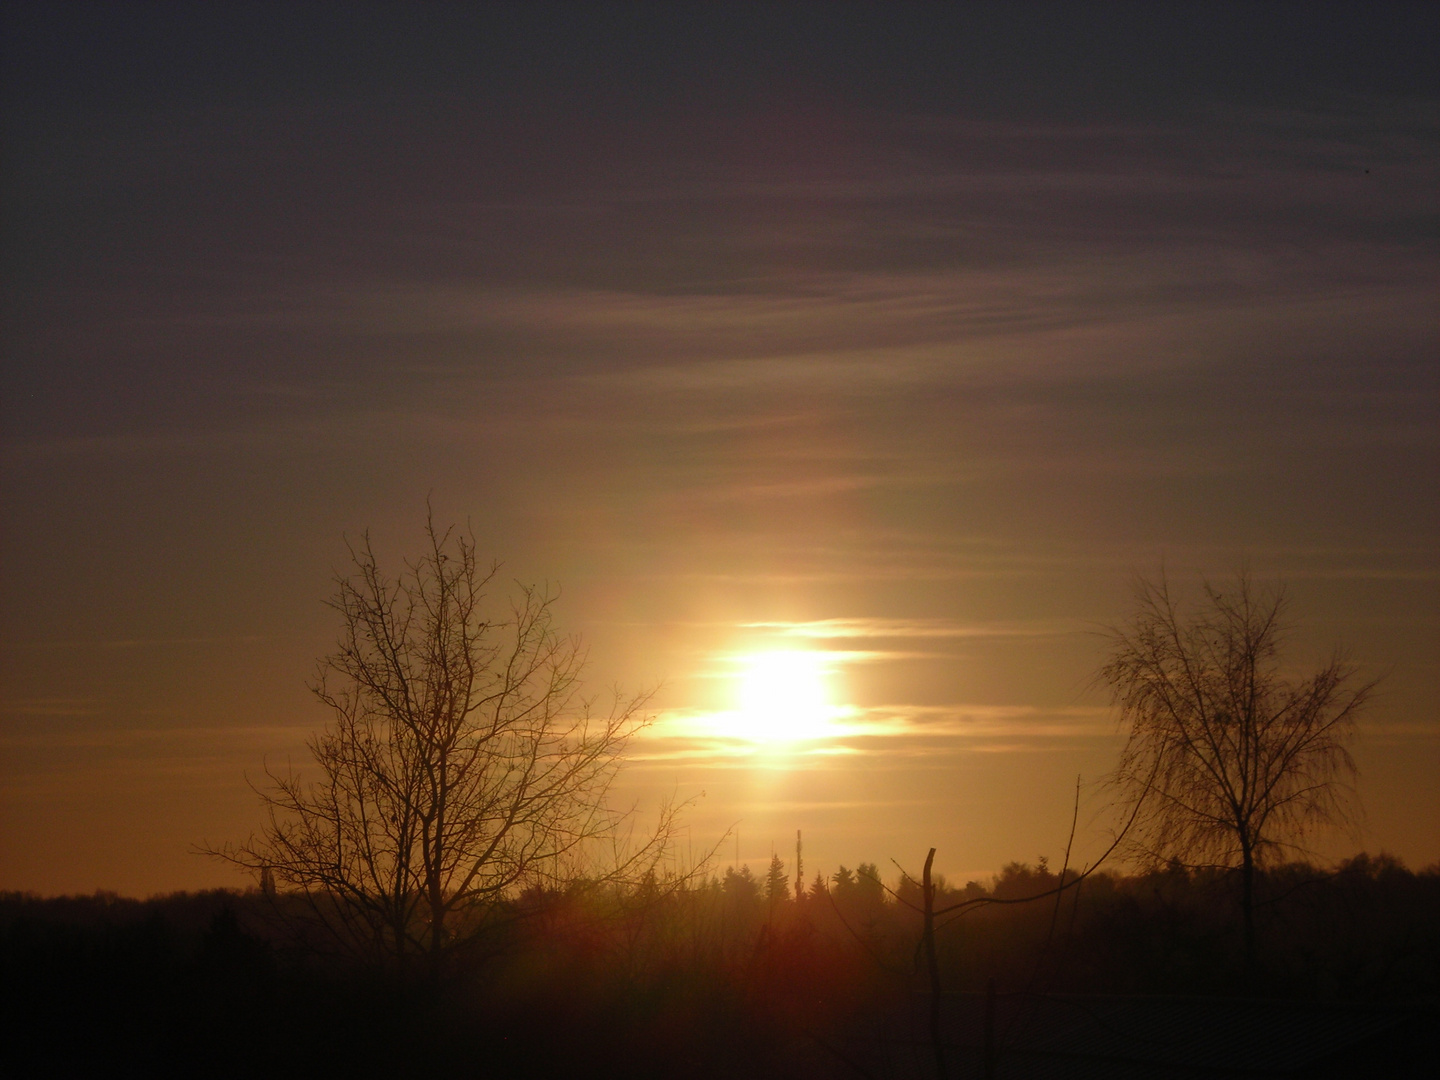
(932, 963)
(799, 870)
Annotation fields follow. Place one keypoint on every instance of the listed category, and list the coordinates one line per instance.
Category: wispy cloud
(131, 643)
(51, 706)
(142, 741)
(825, 629)
(687, 735)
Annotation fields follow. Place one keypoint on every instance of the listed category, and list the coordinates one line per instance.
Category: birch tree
(1231, 758)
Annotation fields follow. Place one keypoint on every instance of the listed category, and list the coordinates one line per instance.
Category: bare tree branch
(461, 764)
(1228, 761)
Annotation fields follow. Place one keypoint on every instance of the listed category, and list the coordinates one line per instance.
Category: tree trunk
(437, 930)
(1247, 909)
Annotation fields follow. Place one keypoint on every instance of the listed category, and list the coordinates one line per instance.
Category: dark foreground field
(1126, 976)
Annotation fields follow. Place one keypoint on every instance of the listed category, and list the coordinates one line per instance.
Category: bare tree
(1229, 761)
(461, 765)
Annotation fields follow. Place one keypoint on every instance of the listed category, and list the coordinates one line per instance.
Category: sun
(784, 696)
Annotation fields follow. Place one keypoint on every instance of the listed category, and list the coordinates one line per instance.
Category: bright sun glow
(784, 697)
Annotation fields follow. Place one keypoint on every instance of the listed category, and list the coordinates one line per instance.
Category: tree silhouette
(461, 764)
(777, 884)
(1227, 761)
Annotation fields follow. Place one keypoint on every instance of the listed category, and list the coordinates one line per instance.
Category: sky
(905, 337)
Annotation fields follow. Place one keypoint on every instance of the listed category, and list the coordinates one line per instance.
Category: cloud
(51, 706)
(824, 629)
(134, 643)
(696, 736)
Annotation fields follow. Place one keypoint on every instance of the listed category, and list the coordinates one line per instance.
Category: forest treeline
(727, 974)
